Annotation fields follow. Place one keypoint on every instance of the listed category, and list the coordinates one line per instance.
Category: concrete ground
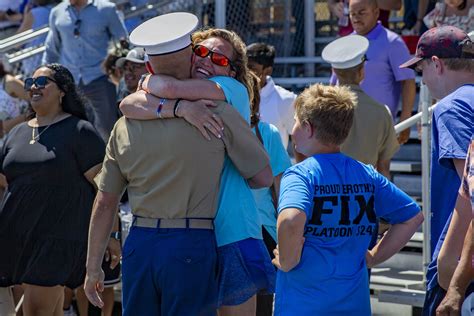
(378, 309)
(389, 309)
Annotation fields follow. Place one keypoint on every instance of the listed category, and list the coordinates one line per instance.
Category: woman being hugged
(49, 163)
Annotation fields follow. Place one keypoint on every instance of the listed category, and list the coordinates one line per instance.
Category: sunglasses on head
(40, 82)
(216, 58)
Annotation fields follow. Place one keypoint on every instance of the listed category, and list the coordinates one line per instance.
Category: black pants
(265, 301)
(101, 107)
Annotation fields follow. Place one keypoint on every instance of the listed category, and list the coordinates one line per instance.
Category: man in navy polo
(445, 55)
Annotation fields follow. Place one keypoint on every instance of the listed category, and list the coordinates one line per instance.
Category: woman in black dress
(49, 163)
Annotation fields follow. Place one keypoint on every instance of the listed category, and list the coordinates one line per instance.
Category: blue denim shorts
(245, 269)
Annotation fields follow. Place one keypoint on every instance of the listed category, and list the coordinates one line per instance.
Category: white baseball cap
(136, 55)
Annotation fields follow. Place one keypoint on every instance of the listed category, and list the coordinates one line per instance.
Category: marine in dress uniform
(172, 176)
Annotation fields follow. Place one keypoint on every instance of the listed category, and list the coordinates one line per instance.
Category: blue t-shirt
(342, 199)
(279, 162)
(237, 215)
(453, 126)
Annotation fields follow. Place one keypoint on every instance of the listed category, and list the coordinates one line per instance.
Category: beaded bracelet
(160, 107)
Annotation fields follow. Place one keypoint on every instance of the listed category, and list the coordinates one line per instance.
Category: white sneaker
(7, 306)
(70, 311)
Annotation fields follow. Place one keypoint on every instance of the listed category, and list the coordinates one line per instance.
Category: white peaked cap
(346, 52)
(165, 34)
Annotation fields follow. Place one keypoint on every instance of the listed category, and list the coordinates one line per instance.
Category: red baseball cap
(443, 42)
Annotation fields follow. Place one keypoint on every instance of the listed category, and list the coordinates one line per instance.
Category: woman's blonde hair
(239, 58)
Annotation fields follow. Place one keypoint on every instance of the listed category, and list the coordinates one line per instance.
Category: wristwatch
(115, 235)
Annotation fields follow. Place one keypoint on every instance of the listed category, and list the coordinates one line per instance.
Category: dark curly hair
(262, 54)
(72, 102)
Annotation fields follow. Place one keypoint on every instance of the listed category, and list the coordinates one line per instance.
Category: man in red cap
(445, 56)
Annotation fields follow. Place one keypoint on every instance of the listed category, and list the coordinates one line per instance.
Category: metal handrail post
(309, 35)
(425, 184)
(425, 117)
(220, 17)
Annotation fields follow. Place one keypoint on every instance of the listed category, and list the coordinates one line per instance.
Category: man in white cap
(172, 176)
(133, 67)
(372, 138)
(384, 81)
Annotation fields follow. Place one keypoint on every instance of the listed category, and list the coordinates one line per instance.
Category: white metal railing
(26, 53)
(412, 120)
(22, 38)
(5, 40)
(17, 40)
(300, 60)
(425, 117)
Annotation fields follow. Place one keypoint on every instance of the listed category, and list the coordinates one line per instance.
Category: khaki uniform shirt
(372, 136)
(170, 170)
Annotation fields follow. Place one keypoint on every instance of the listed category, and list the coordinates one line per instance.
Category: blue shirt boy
(341, 198)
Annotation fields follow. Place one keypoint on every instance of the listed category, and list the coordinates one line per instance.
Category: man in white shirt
(276, 103)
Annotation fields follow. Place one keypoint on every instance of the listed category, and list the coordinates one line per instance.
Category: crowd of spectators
(57, 115)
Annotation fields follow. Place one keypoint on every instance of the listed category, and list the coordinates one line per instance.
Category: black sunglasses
(40, 82)
(77, 26)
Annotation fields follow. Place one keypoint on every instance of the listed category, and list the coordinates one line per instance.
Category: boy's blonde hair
(329, 109)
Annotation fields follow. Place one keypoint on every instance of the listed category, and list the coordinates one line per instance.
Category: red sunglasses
(216, 58)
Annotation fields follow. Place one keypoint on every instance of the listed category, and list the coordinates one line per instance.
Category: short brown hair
(329, 109)
(459, 64)
(349, 74)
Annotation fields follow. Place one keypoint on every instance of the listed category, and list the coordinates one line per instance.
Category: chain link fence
(277, 22)
(280, 23)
